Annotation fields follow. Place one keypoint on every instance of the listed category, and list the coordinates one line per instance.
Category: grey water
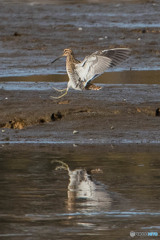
(79, 192)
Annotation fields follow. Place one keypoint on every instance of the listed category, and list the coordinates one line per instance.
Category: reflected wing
(95, 64)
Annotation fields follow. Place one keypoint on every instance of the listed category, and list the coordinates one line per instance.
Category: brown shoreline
(119, 113)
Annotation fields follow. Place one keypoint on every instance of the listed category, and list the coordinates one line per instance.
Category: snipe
(82, 73)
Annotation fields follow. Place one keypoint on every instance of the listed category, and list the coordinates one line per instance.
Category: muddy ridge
(115, 114)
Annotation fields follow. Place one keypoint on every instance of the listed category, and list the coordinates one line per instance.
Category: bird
(82, 73)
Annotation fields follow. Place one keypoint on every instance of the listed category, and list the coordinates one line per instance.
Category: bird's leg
(66, 90)
(59, 90)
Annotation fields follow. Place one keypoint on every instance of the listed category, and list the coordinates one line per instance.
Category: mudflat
(118, 113)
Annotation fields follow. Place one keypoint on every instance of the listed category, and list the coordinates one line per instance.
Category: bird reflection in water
(85, 193)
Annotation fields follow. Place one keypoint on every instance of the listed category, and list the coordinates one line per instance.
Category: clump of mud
(15, 124)
(21, 123)
(56, 116)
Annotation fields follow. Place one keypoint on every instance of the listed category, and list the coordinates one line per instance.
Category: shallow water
(45, 82)
(82, 192)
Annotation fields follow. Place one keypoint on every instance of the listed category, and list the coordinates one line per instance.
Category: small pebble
(139, 39)
(75, 132)
(80, 28)
(16, 34)
(100, 39)
(122, 37)
(75, 145)
(3, 130)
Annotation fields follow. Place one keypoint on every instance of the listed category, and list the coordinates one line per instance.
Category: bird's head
(65, 53)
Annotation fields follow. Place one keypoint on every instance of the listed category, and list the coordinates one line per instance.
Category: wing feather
(95, 64)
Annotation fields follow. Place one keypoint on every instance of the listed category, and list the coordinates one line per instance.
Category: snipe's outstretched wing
(95, 64)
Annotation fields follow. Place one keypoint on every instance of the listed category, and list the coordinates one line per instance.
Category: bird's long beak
(57, 59)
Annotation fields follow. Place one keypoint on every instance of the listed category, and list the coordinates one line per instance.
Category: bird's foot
(63, 165)
(92, 87)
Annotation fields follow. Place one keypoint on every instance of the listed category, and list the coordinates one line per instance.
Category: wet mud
(118, 113)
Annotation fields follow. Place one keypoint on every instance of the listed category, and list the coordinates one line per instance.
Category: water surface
(78, 192)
